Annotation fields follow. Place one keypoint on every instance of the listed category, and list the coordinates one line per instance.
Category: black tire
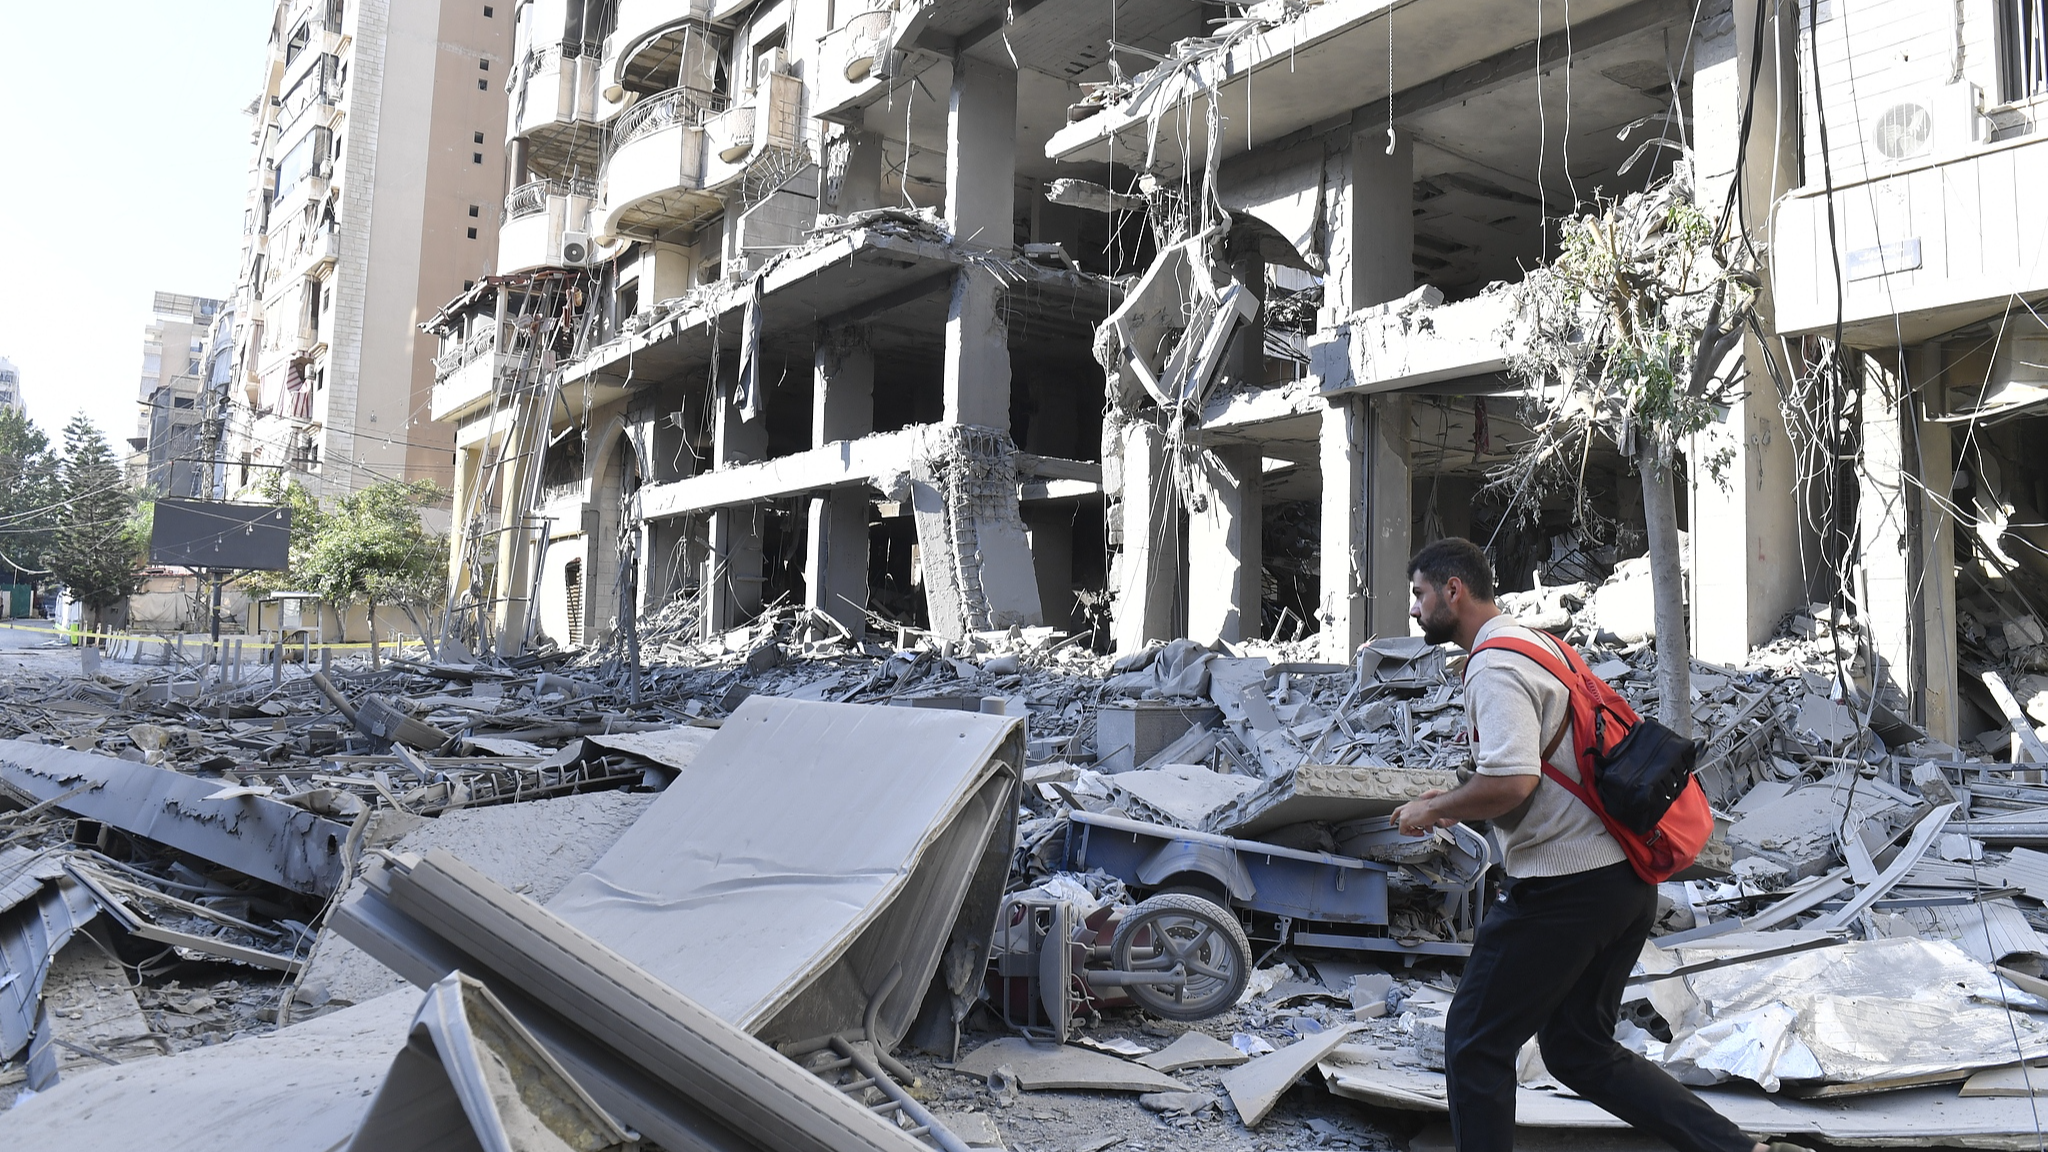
(1200, 938)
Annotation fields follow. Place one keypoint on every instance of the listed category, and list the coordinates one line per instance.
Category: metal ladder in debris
(859, 1069)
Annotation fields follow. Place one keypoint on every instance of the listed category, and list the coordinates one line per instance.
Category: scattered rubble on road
(996, 892)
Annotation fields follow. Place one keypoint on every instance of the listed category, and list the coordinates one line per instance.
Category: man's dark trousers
(1550, 961)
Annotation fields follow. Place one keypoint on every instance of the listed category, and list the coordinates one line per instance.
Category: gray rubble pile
(951, 884)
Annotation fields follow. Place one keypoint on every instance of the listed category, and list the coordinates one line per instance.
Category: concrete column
(1390, 515)
(1226, 585)
(734, 579)
(1341, 610)
(981, 155)
(1148, 570)
(842, 408)
(1050, 528)
(981, 172)
(1747, 535)
(1908, 597)
(1246, 362)
(1372, 242)
(1366, 522)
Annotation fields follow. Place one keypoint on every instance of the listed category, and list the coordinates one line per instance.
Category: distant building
(167, 435)
(10, 386)
(373, 197)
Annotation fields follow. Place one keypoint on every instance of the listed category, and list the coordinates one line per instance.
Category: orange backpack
(1641, 772)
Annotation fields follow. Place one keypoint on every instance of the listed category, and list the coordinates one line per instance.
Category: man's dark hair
(1451, 556)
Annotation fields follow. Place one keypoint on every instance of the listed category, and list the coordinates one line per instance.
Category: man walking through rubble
(1551, 959)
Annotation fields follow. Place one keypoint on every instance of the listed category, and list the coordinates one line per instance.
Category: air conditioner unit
(1941, 122)
(576, 248)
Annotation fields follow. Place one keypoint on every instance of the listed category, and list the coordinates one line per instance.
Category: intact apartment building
(376, 168)
(967, 316)
(168, 439)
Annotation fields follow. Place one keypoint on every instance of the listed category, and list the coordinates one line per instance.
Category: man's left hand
(1418, 816)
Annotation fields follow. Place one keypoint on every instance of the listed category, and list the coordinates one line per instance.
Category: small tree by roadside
(31, 495)
(370, 546)
(1626, 332)
(100, 541)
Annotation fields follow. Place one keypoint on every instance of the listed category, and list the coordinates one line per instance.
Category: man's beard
(1439, 629)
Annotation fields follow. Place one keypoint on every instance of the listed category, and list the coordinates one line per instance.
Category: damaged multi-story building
(373, 177)
(1166, 320)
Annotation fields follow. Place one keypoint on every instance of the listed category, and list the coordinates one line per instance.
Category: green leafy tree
(369, 546)
(31, 492)
(1626, 333)
(99, 543)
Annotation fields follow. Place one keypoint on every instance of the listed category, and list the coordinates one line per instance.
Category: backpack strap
(1547, 659)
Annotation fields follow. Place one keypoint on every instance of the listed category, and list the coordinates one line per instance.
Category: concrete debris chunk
(1040, 1067)
(471, 1075)
(1194, 1049)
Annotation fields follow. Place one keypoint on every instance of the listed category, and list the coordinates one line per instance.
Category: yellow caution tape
(75, 635)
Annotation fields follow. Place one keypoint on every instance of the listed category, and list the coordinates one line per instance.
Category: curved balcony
(537, 217)
(673, 158)
(662, 44)
(654, 175)
(555, 108)
(863, 59)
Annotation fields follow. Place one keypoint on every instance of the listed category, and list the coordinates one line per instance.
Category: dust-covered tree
(99, 543)
(1624, 335)
(370, 546)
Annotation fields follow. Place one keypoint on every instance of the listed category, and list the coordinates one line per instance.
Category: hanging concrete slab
(254, 835)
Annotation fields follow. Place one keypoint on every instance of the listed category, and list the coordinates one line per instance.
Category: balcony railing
(478, 344)
(685, 106)
(531, 198)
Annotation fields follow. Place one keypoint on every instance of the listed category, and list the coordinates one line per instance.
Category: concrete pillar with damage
(1147, 576)
(733, 580)
(981, 173)
(1366, 485)
(1365, 523)
(842, 408)
(1908, 544)
(978, 574)
(1226, 590)
(1746, 522)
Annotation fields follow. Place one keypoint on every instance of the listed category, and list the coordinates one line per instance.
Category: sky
(123, 159)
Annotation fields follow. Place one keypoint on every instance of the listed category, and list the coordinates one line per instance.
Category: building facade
(376, 133)
(963, 317)
(168, 436)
